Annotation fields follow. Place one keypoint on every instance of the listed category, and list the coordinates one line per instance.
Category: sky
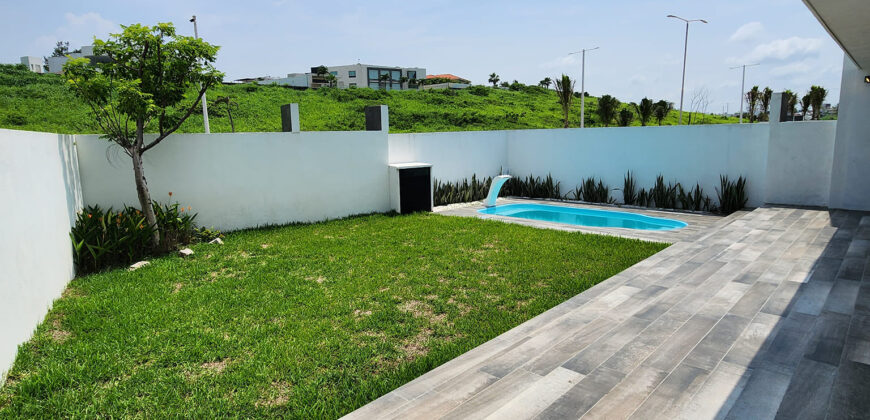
(640, 53)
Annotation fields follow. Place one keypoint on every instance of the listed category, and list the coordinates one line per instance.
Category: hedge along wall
(39, 183)
(244, 180)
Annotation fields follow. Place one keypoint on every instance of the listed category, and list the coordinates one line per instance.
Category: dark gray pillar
(377, 118)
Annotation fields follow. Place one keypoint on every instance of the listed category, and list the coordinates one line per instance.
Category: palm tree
(493, 78)
(766, 95)
(565, 92)
(385, 79)
(607, 108)
(805, 105)
(790, 101)
(644, 110)
(331, 80)
(403, 80)
(545, 83)
(229, 103)
(624, 117)
(661, 110)
(752, 99)
(817, 98)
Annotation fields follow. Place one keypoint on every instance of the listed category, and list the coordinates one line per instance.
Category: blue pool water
(584, 217)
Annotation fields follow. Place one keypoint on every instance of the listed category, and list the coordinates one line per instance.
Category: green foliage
(494, 79)
(645, 110)
(664, 196)
(461, 191)
(732, 194)
(791, 101)
(38, 97)
(564, 88)
(624, 117)
(531, 187)
(592, 192)
(108, 238)
(817, 96)
(752, 98)
(629, 187)
(661, 110)
(694, 200)
(607, 109)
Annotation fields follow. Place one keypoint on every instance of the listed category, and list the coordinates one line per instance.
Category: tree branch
(187, 114)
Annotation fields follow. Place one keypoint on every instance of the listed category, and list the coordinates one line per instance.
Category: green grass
(41, 102)
(305, 321)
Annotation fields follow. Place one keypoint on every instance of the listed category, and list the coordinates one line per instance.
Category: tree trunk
(144, 195)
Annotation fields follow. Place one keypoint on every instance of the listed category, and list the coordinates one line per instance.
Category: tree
(661, 110)
(817, 99)
(752, 98)
(790, 101)
(565, 92)
(805, 106)
(403, 80)
(229, 103)
(698, 106)
(143, 85)
(624, 117)
(331, 80)
(644, 110)
(765, 97)
(505, 84)
(61, 49)
(545, 83)
(493, 78)
(321, 70)
(385, 79)
(607, 109)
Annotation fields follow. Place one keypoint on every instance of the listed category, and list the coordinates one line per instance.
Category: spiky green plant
(664, 195)
(732, 194)
(629, 187)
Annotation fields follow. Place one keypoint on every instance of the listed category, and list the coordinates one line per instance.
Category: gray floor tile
(808, 392)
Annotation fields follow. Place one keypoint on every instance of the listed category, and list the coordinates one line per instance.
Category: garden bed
(298, 321)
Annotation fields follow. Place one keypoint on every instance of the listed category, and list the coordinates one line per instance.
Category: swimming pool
(584, 217)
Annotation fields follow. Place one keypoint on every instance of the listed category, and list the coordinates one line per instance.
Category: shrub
(532, 187)
(664, 196)
(593, 192)
(478, 90)
(694, 199)
(108, 238)
(460, 191)
(732, 194)
(629, 189)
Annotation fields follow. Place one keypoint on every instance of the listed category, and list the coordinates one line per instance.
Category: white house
(355, 75)
(33, 63)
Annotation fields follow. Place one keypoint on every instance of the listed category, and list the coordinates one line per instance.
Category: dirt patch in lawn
(278, 395)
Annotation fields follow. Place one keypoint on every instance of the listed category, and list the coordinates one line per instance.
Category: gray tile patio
(765, 314)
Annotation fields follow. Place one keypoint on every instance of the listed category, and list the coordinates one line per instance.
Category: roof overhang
(848, 22)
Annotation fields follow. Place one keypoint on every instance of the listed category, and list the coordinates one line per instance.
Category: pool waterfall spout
(494, 188)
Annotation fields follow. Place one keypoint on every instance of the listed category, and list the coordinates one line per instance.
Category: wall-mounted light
(867, 78)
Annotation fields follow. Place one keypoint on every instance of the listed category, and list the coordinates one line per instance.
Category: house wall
(244, 180)
(40, 185)
(850, 188)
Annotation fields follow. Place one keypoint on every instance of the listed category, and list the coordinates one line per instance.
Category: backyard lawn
(304, 321)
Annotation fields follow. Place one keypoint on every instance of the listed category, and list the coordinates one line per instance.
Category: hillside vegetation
(42, 102)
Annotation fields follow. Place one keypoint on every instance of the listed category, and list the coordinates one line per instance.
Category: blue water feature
(584, 217)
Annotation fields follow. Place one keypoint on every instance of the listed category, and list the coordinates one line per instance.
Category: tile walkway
(763, 315)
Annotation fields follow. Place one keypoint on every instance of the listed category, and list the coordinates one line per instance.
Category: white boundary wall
(798, 172)
(39, 182)
(244, 180)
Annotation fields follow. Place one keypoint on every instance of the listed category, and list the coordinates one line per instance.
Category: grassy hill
(41, 102)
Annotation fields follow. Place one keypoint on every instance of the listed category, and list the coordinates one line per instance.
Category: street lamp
(685, 49)
(743, 86)
(583, 83)
(204, 106)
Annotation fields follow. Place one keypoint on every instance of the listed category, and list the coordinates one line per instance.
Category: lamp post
(583, 84)
(685, 50)
(742, 86)
(204, 106)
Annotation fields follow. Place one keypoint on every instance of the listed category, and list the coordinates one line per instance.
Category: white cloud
(78, 30)
(747, 32)
(792, 69)
(561, 63)
(780, 50)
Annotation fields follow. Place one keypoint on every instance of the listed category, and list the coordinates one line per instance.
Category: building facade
(355, 75)
(34, 64)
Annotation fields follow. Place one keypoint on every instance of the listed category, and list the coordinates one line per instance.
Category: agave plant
(694, 199)
(664, 196)
(593, 192)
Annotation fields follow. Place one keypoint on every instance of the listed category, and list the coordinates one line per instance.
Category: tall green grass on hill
(42, 102)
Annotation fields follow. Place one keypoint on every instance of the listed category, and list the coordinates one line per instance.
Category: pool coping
(698, 223)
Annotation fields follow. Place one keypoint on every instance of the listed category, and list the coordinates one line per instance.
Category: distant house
(34, 64)
(355, 75)
(445, 81)
(55, 64)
